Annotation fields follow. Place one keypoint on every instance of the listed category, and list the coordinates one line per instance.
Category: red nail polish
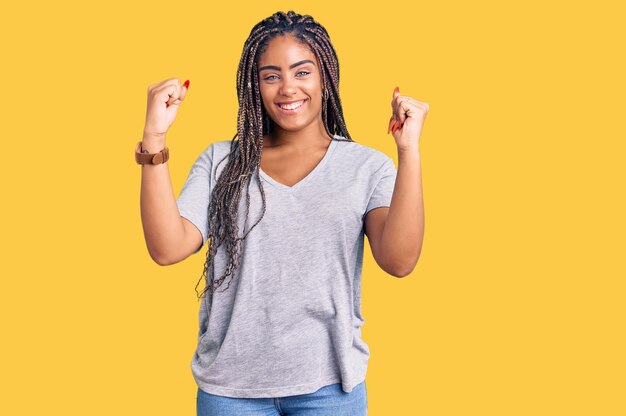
(186, 84)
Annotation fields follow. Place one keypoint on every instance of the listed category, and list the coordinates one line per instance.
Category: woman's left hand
(406, 120)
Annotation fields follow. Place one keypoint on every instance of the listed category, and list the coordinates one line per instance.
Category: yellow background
(516, 306)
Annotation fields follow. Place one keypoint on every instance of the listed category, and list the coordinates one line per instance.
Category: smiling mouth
(291, 108)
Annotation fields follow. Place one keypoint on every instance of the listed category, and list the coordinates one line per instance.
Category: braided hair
(253, 122)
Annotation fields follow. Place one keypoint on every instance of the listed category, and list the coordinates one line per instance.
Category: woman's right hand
(164, 99)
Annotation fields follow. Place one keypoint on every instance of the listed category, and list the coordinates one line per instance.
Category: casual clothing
(329, 400)
(290, 322)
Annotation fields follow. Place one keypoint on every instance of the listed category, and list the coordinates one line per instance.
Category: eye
(269, 78)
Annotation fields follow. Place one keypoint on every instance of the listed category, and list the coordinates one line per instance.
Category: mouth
(292, 107)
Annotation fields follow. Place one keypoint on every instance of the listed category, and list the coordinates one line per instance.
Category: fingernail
(186, 84)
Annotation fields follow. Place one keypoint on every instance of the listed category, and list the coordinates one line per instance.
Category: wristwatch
(151, 158)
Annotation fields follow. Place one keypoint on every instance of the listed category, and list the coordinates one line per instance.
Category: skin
(300, 141)
(396, 233)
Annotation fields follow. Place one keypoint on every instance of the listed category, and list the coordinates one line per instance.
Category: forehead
(285, 50)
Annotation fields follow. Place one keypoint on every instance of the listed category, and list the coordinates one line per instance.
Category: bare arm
(169, 237)
(396, 233)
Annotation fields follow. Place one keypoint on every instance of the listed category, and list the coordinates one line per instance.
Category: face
(289, 72)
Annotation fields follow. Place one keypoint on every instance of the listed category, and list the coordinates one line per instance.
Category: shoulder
(211, 155)
(218, 147)
(215, 149)
(360, 154)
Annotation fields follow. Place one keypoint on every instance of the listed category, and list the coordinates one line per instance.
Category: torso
(288, 167)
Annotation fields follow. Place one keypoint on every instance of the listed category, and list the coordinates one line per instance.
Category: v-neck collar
(307, 178)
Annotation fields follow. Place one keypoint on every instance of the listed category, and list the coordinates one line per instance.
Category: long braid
(253, 122)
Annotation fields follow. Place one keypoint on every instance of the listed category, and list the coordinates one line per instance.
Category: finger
(394, 101)
(408, 107)
(183, 91)
(414, 111)
(161, 84)
(175, 92)
(390, 124)
(397, 126)
(417, 103)
(183, 94)
(399, 110)
(394, 95)
(394, 107)
(178, 93)
(169, 94)
(412, 100)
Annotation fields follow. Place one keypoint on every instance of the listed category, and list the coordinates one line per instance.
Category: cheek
(265, 98)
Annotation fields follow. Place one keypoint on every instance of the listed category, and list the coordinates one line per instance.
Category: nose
(287, 88)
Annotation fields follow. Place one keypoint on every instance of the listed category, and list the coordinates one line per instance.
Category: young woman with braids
(284, 207)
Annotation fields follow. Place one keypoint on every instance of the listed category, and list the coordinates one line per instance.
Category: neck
(310, 136)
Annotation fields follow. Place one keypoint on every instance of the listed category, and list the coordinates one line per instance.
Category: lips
(293, 104)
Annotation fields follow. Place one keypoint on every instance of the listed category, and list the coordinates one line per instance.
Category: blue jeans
(328, 400)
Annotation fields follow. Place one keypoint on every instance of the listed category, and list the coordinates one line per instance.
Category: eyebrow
(277, 68)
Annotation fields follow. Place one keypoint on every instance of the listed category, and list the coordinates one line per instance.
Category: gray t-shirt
(290, 322)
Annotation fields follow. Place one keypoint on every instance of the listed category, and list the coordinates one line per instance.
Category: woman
(284, 334)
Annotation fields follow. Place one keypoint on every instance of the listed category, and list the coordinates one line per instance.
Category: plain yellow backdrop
(516, 306)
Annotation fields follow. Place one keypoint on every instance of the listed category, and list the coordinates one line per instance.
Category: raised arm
(169, 237)
(396, 233)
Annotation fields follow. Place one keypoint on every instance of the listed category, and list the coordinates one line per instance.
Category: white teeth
(291, 106)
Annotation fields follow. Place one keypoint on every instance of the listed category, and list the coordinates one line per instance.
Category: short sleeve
(194, 197)
(384, 183)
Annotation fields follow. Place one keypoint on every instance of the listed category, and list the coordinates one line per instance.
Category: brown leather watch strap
(151, 158)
